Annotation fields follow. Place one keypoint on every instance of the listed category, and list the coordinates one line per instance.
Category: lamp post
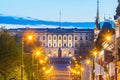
(38, 54)
(93, 71)
(22, 64)
(32, 66)
(29, 37)
(89, 63)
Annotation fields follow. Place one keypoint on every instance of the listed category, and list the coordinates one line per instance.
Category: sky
(71, 10)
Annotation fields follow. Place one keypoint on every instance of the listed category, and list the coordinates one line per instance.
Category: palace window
(69, 38)
(43, 37)
(81, 38)
(65, 45)
(59, 38)
(54, 38)
(75, 37)
(64, 38)
(38, 38)
(75, 44)
(49, 38)
(50, 45)
(54, 45)
(60, 45)
(69, 44)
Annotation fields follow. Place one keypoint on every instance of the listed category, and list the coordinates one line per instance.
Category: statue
(59, 53)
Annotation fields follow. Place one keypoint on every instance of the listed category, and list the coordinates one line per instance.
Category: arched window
(59, 38)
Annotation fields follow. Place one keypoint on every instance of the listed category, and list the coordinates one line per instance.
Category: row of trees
(10, 56)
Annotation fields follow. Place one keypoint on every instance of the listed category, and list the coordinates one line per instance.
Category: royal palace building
(53, 39)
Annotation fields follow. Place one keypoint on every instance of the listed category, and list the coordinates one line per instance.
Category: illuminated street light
(87, 61)
(43, 68)
(74, 58)
(82, 69)
(30, 37)
(41, 61)
(108, 38)
(37, 53)
(95, 53)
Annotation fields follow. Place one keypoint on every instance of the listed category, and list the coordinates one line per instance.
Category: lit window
(54, 38)
(69, 45)
(64, 38)
(69, 38)
(59, 45)
(59, 38)
(75, 37)
(49, 38)
(43, 37)
(49, 45)
(38, 37)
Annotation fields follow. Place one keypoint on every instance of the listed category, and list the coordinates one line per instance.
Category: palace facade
(67, 39)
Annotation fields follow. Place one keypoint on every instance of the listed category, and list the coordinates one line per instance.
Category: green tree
(28, 50)
(83, 49)
(10, 56)
(106, 30)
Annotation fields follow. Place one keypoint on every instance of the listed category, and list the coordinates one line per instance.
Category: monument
(59, 53)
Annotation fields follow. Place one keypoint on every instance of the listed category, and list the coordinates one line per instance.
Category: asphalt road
(61, 72)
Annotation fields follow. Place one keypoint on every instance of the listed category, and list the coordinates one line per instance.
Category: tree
(28, 49)
(106, 30)
(84, 49)
(10, 55)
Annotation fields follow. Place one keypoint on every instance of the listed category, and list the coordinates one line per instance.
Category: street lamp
(108, 38)
(22, 64)
(38, 54)
(87, 61)
(29, 37)
(94, 54)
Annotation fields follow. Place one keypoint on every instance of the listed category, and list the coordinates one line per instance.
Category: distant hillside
(35, 22)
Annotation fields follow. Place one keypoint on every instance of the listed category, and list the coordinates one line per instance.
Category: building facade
(54, 38)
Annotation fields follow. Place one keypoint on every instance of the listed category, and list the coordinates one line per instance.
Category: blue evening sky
(71, 10)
